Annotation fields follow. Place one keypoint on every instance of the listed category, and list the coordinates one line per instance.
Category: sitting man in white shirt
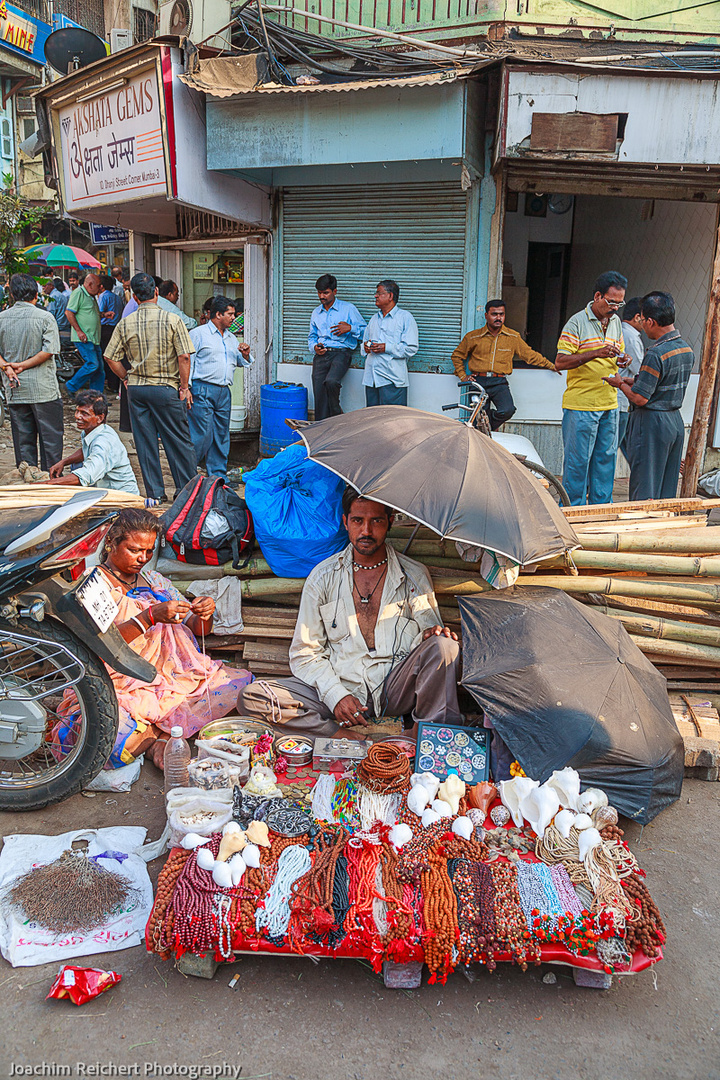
(369, 641)
(212, 371)
(102, 459)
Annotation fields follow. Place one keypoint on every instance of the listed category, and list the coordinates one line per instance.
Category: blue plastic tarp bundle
(297, 512)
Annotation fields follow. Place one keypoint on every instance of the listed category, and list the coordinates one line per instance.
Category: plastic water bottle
(176, 760)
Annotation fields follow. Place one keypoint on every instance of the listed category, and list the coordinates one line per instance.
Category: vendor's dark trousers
(111, 380)
(500, 407)
(654, 445)
(158, 413)
(424, 684)
(386, 395)
(328, 372)
(41, 423)
(209, 421)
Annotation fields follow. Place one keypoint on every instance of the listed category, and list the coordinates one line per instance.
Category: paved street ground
(290, 1019)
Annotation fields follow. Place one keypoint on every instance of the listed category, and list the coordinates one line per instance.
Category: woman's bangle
(134, 618)
(151, 617)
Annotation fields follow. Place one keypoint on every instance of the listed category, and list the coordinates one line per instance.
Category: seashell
(452, 791)
(476, 816)
(463, 826)
(539, 807)
(582, 821)
(400, 835)
(250, 855)
(591, 800)
(205, 858)
(442, 808)
(238, 867)
(605, 815)
(500, 815)
(222, 875)
(479, 834)
(257, 833)
(233, 840)
(429, 817)
(587, 840)
(512, 792)
(231, 827)
(564, 822)
(430, 782)
(566, 783)
(192, 840)
(481, 795)
(417, 799)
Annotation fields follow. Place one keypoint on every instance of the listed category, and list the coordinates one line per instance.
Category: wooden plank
(579, 131)
(606, 510)
(266, 650)
(706, 393)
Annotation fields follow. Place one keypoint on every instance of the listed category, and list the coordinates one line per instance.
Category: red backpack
(209, 524)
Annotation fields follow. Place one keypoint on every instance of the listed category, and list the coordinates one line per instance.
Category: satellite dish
(71, 48)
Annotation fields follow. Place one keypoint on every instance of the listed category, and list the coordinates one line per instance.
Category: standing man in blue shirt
(336, 328)
(216, 356)
(390, 339)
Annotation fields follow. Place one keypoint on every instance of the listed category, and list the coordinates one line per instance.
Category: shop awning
(223, 77)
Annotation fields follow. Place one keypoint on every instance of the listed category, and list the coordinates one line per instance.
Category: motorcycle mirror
(72, 508)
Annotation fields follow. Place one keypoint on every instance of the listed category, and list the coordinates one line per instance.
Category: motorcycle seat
(15, 523)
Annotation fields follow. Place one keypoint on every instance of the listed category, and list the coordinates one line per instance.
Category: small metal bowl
(234, 725)
(295, 757)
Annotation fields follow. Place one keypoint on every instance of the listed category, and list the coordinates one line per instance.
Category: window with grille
(143, 25)
(87, 13)
(6, 138)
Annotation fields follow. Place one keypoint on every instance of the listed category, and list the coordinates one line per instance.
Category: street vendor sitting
(102, 459)
(369, 641)
(189, 689)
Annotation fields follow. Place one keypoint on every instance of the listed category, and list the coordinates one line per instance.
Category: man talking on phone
(336, 327)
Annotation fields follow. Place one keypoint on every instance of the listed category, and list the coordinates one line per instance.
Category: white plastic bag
(25, 944)
(210, 774)
(180, 818)
(239, 762)
(121, 779)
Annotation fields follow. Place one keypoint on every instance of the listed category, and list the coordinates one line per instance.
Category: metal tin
(297, 756)
(234, 726)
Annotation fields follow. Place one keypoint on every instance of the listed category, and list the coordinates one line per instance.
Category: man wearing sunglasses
(590, 348)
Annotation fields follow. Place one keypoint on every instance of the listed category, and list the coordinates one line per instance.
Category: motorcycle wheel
(554, 487)
(34, 682)
(65, 368)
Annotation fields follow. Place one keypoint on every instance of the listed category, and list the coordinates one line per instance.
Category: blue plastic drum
(280, 401)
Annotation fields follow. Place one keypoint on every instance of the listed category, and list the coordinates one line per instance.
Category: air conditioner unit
(119, 40)
(200, 20)
(25, 105)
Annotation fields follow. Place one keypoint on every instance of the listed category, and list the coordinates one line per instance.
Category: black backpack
(201, 537)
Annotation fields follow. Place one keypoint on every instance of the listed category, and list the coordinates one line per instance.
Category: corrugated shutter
(413, 233)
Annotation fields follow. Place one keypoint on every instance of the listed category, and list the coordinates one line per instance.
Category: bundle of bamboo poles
(653, 566)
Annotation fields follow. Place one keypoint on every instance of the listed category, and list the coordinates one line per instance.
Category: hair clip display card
(442, 747)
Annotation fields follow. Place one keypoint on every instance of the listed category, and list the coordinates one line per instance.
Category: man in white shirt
(389, 341)
(369, 641)
(212, 371)
(634, 348)
(102, 459)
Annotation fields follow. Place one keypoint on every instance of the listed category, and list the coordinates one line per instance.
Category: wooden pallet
(698, 722)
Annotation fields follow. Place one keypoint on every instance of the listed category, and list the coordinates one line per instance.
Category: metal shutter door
(361, 234)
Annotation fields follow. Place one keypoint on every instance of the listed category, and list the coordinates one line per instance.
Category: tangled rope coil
(385, 770)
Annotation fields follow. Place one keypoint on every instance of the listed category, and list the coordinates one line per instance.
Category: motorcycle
(58, 708)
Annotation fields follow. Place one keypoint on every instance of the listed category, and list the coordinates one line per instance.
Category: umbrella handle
(413, 534)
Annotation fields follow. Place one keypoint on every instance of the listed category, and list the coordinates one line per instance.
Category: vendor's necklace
(359, 566)
(368, 598)
(113, 573)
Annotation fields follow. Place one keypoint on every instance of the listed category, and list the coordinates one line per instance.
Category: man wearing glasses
(590, 348)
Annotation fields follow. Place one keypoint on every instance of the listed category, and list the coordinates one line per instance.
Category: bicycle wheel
(555, 489)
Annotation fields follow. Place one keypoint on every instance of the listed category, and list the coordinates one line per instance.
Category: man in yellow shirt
(488, 354)
(591, 347)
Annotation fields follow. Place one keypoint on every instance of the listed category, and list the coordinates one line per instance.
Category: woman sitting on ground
(162, 626)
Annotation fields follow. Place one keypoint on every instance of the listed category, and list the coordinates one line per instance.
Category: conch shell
(257, 833)
(400, 835)
(512, 792)
(251, 855)
(222, 875)
(442, 808)
(582, 821)
(587, 840)
(192, 840)
(566, 784)
(418, 798)
(564, 822)
(463, 826)
(429, 781)
(591, 800)
(605, 815)
(205, 858)
(539, 807)
(480, 796)
(452, 791)
(429, 817)
(233, 840)
(238, 867)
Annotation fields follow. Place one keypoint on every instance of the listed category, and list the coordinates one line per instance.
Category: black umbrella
(444, 474)
(564, 685)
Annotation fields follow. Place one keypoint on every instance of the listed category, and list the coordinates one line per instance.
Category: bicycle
(479, 419)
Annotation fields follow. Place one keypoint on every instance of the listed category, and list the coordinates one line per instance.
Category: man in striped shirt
(591, 347)
(655, 430)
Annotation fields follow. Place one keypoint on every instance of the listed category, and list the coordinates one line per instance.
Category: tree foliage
(17, 217)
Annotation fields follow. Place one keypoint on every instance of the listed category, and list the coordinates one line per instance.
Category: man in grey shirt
(29, 340)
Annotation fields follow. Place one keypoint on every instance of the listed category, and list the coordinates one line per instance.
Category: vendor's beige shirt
(328, 650)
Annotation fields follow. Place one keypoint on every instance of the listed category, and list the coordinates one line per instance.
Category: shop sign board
(112, 145)
(22, 33)
(108, 234)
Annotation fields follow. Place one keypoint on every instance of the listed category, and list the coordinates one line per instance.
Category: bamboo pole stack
(653, 566)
